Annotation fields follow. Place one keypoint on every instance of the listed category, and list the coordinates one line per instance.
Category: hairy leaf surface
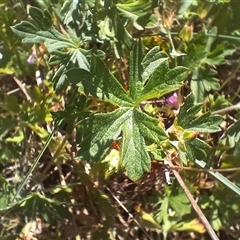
(135, 126)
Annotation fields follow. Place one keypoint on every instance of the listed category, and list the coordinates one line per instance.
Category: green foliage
(36, 202)
(200, 59)
(44, 32)
(206, 123)
(187, 127)
(137, 11)
(134, 124)
(226, 208)
(231, 136)
(110, 126)
(13, 54)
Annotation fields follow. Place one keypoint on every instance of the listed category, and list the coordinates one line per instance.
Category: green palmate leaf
(73, 14)
(36, 202)
(134, 154)
(105, 128)
(176, 199)
(201, 61)
(67, 60)
(206, 123)
(196, 149)
(149, 127)
(136, 8)
(112, 29)
(69, 9)
(218, 55)
(66, 49)
(79, 57)
(43, 31)
(192, 150)
(190, 147)
(196, 53)
(101, 129)
(188, 111)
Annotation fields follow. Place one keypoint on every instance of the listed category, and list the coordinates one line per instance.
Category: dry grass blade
(21, 86)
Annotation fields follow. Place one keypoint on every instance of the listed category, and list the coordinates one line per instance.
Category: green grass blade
(220, 177)
(35, 163)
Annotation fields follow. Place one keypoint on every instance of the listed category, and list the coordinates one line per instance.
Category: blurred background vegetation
(67, 198)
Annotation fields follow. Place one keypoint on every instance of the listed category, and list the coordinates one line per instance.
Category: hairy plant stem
(227, 109)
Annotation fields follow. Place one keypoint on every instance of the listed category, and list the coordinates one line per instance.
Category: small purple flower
(173, 101)
(32, 58)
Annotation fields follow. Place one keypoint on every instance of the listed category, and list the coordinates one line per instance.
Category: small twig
(227, 109)
(236, 94)
(13, 91)
(21, 86)
(153, 101)
(61, 175)
(194, 204)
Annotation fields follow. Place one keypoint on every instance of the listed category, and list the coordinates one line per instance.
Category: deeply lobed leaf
(100, 83)
(135, 125)
(206, 123)
(163, 81)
